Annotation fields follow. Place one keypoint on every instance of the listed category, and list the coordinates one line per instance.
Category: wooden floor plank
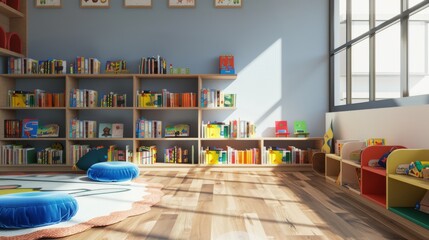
(218, 205)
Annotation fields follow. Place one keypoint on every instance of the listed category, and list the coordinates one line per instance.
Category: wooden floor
(218, 205)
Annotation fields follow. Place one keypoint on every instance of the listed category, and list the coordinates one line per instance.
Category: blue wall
(280, 48)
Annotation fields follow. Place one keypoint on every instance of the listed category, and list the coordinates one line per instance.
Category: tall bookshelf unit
(128, 84)
(12, 20)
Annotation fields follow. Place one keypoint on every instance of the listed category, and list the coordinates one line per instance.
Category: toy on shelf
(282, 129)
(423, 205)
(415, 169)
(375, 141)
(300, 129)
(226, 64)
(116, 67)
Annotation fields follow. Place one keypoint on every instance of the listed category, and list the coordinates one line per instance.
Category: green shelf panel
(413, 215)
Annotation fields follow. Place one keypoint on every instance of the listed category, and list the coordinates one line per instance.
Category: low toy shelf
(403, 191)
(374, 177)
(351, 166)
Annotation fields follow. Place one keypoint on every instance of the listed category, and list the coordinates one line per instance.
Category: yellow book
(213, 131)
(147, 100)
(212, 157)
(275, 157)
(18, 100)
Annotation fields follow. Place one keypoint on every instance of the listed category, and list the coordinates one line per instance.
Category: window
(418, 53)
(386, 55)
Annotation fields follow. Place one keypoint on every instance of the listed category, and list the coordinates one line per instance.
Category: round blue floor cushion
(113, 171)
(36, 209)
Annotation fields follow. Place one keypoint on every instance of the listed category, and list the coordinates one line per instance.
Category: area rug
(100, 204)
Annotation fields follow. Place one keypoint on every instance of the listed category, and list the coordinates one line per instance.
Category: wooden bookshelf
(12, 20)
(129, 84)
(403, 192)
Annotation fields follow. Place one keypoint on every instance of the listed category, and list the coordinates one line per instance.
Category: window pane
(340, 78)
(387, 63)
(386, 9)
(339, 22)
(360, 72)
(418, 53)
(360, 17)
(412, 3)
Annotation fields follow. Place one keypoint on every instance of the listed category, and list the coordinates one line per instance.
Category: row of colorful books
(114, 153)
(213, 156)
(231, 129)
(88, 129)
(289, 155)
(146, 155)
(19, 155)
(177, 154)
(148, 128)
(32, 66)
(153, 65)
(36, 98)
(212, 98)
(29, 128)
(113, 100)
(83, 98)
(83, 65)
(166, 99)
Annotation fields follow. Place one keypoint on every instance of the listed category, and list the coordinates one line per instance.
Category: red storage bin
(3, 39)
(12, 3)
(14, 42)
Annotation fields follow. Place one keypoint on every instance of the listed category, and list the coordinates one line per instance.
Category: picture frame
(181, 3)
(95, 3)
(138, 3)
(228, 3)
(47, 3)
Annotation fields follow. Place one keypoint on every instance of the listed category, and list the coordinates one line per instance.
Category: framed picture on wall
(181, 3)
(48, 3)
(227, 3)
(94, 3)
(137, 3)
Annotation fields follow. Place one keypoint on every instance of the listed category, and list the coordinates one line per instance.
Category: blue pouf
(36, 209)
(113, 171)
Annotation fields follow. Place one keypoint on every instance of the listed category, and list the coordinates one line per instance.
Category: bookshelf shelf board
(9, 11)
(413, 215)
(418, 182)
(293, 139)
(167, 108)
(230, 139)
(167, 76)
(100, 76)
(32, 108)
(219, 76)
(376, 198)
(187, 165)
(217, 108)
(352, 163)
(166, 139)
(7, 53)
(36, 76)
(100, 139)
(33, 139)
(333, 156)
(100, 108)
(377, 170)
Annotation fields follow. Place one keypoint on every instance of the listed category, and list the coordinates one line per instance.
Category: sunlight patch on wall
(259, 85)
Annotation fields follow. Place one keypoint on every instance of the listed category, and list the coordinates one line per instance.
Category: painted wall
(406, 125)
(280, 49)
